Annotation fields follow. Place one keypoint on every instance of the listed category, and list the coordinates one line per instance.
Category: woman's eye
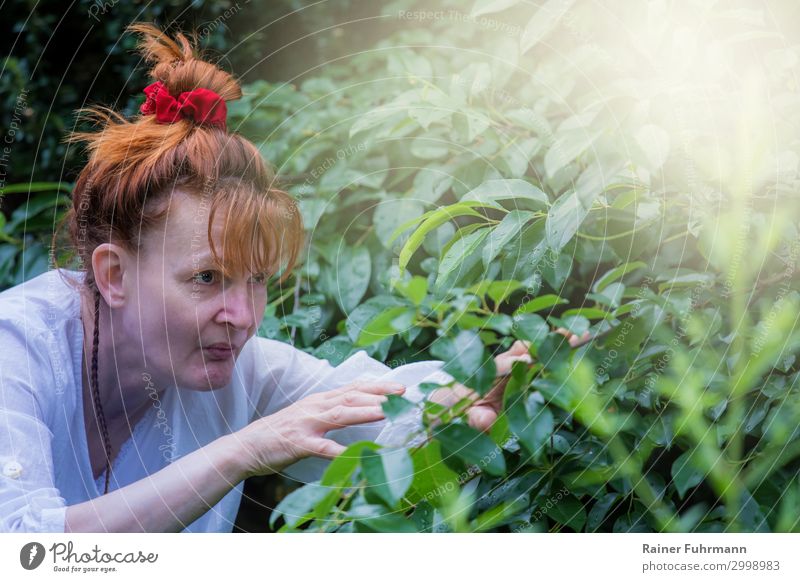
(204, 277)
(259, 278)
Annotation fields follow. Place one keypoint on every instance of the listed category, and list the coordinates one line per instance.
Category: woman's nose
(237, 307)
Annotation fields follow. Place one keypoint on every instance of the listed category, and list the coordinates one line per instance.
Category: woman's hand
(484, 411)
(297, 431)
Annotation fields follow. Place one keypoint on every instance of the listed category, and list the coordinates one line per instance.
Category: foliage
(575, 174)
(25, 236)
(480, 177)
(53, 59)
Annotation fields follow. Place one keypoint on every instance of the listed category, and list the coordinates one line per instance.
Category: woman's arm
(169, 500)
(172, 498)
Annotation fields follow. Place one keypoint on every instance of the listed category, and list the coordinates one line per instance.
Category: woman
(135, 396)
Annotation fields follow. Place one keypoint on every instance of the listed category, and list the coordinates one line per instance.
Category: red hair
(133, 166)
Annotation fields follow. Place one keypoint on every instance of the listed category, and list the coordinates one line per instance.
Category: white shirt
(44, 458)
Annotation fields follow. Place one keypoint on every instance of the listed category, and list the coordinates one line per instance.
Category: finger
(340, 416)
(481, 418)
(357, 398)
(576, 341)
(519, 347)
(325, 448)
(505, 362)
(376, 387)
(451, 395)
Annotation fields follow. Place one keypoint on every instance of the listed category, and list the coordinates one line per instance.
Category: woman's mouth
(220, 351)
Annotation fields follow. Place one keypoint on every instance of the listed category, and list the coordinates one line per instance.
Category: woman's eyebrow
(203, 258)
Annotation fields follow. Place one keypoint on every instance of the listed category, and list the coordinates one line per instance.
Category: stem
(283, 297)
(615, 236)
(296, 301)
(666, 518)
(363, 236)
(339, 507)
(674, 237)
(770, 461)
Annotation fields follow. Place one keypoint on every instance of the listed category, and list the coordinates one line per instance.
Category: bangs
(262, 232)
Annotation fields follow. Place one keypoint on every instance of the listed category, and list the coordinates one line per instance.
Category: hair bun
(178, 64)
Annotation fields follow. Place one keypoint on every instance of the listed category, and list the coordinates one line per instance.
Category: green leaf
(396, 406)
(751, 515)
(587, 312)
(612, 295)
(386, 325)
(391, 214)
(471, 446)
(569, 512)
(462, 255)
(476, 77)
(530, 327)
(543, 22)
(35, 187)
(342, 467)
(499, 322)
(415, 290)
(615, 274)
(465, 359)
(477, 122)
(428, 148)
(599, 511)
(385, 524)
(688, 280)
(339, 474)
(463, 232)
(430, 183)
(684, 474)
(296, 507)
(558, 393)
(540, 303)
(367, 311)
(497, 515)
(433, 481)
(568, 146)
(524, 193)
(563, 220)
(432, 221)
(35, 205)
(389, 472)
(517, 158)
(504, 232)
(499, 291)
(375, 117)
(336, 350)
(353, 270)
(533, 424)
(312, 209)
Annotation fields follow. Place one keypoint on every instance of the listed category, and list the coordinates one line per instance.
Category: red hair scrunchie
(203, 106)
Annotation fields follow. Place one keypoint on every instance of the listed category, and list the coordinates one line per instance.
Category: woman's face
(191, 322)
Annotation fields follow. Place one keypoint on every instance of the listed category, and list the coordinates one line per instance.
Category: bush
(469, 181)
(479, 177)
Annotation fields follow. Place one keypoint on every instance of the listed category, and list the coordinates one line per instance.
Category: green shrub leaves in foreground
(479, 197)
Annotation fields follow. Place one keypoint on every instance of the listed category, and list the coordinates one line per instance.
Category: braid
(96, 391)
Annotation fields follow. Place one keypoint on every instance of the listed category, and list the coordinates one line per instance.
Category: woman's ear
(109, 262)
